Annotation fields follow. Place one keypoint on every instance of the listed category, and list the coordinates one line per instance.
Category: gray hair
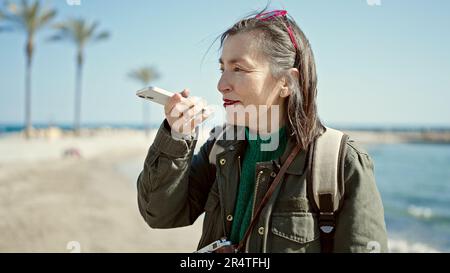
(273, 39)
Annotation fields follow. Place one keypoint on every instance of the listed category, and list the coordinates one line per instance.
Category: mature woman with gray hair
(314, 191)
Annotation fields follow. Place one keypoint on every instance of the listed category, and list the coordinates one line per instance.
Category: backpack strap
(326, 182)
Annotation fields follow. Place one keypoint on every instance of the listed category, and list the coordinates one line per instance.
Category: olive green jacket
(176, 187)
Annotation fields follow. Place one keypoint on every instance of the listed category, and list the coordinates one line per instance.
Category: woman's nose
(223, 85)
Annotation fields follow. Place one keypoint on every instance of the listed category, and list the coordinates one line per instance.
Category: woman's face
(246, 77)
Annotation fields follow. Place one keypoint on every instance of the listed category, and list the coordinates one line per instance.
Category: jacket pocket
(294, 232)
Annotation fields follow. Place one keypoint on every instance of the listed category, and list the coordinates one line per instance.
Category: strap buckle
(327, 222)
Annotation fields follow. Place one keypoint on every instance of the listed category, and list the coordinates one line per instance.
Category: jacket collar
(233, 139)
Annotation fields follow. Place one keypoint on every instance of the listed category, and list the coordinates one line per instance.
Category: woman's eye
(235, 69)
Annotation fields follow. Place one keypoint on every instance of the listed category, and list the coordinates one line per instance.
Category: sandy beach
(48, 200)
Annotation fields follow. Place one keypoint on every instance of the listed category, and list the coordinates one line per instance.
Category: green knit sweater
(253, 154)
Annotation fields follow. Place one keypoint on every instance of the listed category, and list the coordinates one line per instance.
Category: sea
(414, 183)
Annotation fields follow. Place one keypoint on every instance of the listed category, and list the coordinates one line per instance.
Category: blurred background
(73, 134)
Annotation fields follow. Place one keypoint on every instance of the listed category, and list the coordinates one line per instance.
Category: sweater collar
(271, 142)
(236, 146)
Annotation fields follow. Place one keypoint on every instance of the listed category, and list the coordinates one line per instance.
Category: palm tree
(79, 32)
(144, 75)
(29, 18)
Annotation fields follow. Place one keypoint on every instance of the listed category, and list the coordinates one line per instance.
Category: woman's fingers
(184, 113)
(176, 98)
(179, 100)
(200, 116)
(185, 93)
(188, 114)
(197, 105)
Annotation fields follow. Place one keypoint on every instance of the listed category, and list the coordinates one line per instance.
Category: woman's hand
(184, 114)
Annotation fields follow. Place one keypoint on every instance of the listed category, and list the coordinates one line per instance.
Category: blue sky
(377, 65)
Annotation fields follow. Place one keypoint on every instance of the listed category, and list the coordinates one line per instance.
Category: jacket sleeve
(360, 225)
(173, 186)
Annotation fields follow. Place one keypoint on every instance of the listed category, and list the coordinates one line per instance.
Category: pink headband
(266, 16)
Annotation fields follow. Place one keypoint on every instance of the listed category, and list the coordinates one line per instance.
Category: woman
(266, 62)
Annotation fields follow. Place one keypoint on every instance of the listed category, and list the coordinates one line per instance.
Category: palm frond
(13, 15)
(79, 27)
(78, 31)
(102, 36)
(46, 17)
(144, 75)
(55, 38)
(26, 16)
(90, 30)
(31, 16)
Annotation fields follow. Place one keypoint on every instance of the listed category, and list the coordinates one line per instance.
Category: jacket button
(273, 174)
(261, 231)
(229, 218)
(223, 161)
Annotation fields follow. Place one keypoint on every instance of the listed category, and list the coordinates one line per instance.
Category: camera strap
(267, 196)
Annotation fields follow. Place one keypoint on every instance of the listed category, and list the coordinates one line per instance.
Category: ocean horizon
(6, 128)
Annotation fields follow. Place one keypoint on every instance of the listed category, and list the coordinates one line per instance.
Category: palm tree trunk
(29, 57)
(78, 89)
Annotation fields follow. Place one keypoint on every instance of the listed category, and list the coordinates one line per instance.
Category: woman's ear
(293, 75)
(284, 92)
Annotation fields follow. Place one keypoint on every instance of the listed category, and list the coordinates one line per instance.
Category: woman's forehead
(242, 47)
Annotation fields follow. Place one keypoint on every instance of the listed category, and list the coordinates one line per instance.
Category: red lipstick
(227, 102)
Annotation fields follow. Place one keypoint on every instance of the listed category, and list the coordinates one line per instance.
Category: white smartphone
(155, 94)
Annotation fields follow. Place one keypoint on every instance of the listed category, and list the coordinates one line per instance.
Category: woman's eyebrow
(233, 61)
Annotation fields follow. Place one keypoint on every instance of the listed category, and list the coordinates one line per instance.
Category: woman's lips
(227, 102)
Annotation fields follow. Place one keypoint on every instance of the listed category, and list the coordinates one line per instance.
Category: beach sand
(48, 201)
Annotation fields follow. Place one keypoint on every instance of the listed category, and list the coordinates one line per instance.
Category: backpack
(325, 181)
